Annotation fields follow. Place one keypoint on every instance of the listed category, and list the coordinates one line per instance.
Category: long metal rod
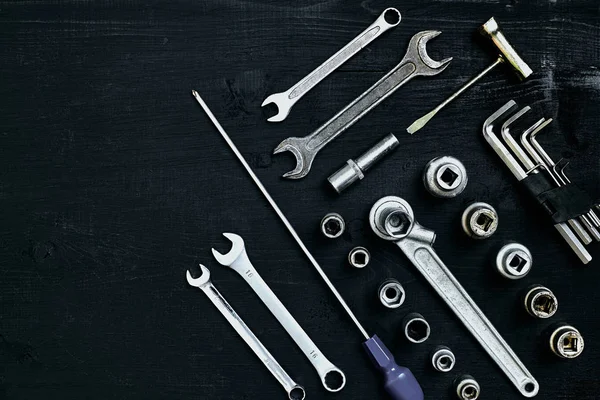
(287, 223)
(421, 122)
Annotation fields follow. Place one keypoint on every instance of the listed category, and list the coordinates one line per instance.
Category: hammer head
(507, 52)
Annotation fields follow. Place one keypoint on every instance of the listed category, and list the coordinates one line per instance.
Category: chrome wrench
(333, 378)
(416, 62)
(388, 19)
(294, 391)
(392, 218)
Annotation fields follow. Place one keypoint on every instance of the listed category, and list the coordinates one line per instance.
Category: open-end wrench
(332, 377)
(416, 62)
(391, 218)
(388, 19)
(294, 391)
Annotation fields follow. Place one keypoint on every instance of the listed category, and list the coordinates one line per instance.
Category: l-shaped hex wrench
(391, 218)
(203, 282)
(332, 378)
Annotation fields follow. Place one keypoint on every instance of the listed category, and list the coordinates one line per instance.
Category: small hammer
(507, 55)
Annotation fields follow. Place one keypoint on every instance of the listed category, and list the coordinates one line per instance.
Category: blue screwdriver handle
(400, 383)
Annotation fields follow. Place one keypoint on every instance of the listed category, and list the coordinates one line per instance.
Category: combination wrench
(286, 100)
(415, 63)
(294, 391)
(391, 218)
(333, 378)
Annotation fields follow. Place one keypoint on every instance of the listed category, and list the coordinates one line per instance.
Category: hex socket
(416, 328)
(354, 170)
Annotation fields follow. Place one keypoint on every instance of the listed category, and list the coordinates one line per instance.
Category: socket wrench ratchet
(416, 62)
(332, 377)
(391, 218)
(284, 101)
(294, 391)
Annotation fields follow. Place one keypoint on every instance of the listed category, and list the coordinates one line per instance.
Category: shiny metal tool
(359, 257)
(203, 282)
(571, 209)
(445, 177)
(415, 63)
(507, 55)
(355, 170)
(443, 359)
(332, 378)
(391, 218)
(284, 101)
(399, 382)
(566, 341)
(332, 225)
(540, 302)
(514, 261)
(467, 388)
(416, 328)
(479, 220)
(391, 293)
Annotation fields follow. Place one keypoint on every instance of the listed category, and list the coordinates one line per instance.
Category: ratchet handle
(399, 382)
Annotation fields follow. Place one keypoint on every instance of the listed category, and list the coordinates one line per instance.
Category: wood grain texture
(114, 183)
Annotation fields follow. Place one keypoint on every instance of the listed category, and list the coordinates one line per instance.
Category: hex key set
(391, 218)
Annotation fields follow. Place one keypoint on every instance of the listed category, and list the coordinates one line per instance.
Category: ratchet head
(417, 53)
(304, 157)
(283, 103)
(200, 281)
(237, 249)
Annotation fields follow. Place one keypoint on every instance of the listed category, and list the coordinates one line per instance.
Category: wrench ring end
(339, 380)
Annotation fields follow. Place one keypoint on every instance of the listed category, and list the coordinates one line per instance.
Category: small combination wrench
(294, 391)
(416, 62)
(333, 378)
(286, 100)
(391, 218)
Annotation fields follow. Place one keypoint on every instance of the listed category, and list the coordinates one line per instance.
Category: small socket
(445, 177)
(467, 388)
(416, 328)
(391, 293)
(514, 261)
(479, 220)
(333, 225)
(443, 359)
(359, 257)
(566, 342)
(540, 302)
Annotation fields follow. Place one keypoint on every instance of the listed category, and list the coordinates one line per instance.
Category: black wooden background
(114, 182)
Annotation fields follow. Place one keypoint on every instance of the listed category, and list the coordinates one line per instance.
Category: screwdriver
(399, 382)
(508, 55)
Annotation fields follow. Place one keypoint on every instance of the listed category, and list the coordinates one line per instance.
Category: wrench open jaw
(200, 281)
(237, 250)
(416, 62)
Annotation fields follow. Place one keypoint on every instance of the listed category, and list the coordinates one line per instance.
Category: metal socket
(540, 302)
(355, 170)
(514, 261)
(479, 220)
(359, 257)
(391, 293)
(333, 225)
(467, 388)
(445, 177)
(566, 342)
(416, 328)
(443, 359)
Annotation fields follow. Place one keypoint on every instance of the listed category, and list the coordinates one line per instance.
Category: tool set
(392, 219)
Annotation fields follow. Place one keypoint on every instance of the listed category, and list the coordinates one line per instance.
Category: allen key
(571, 208)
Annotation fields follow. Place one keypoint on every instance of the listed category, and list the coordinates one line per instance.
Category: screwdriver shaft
(421, 122)
(275, 207)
